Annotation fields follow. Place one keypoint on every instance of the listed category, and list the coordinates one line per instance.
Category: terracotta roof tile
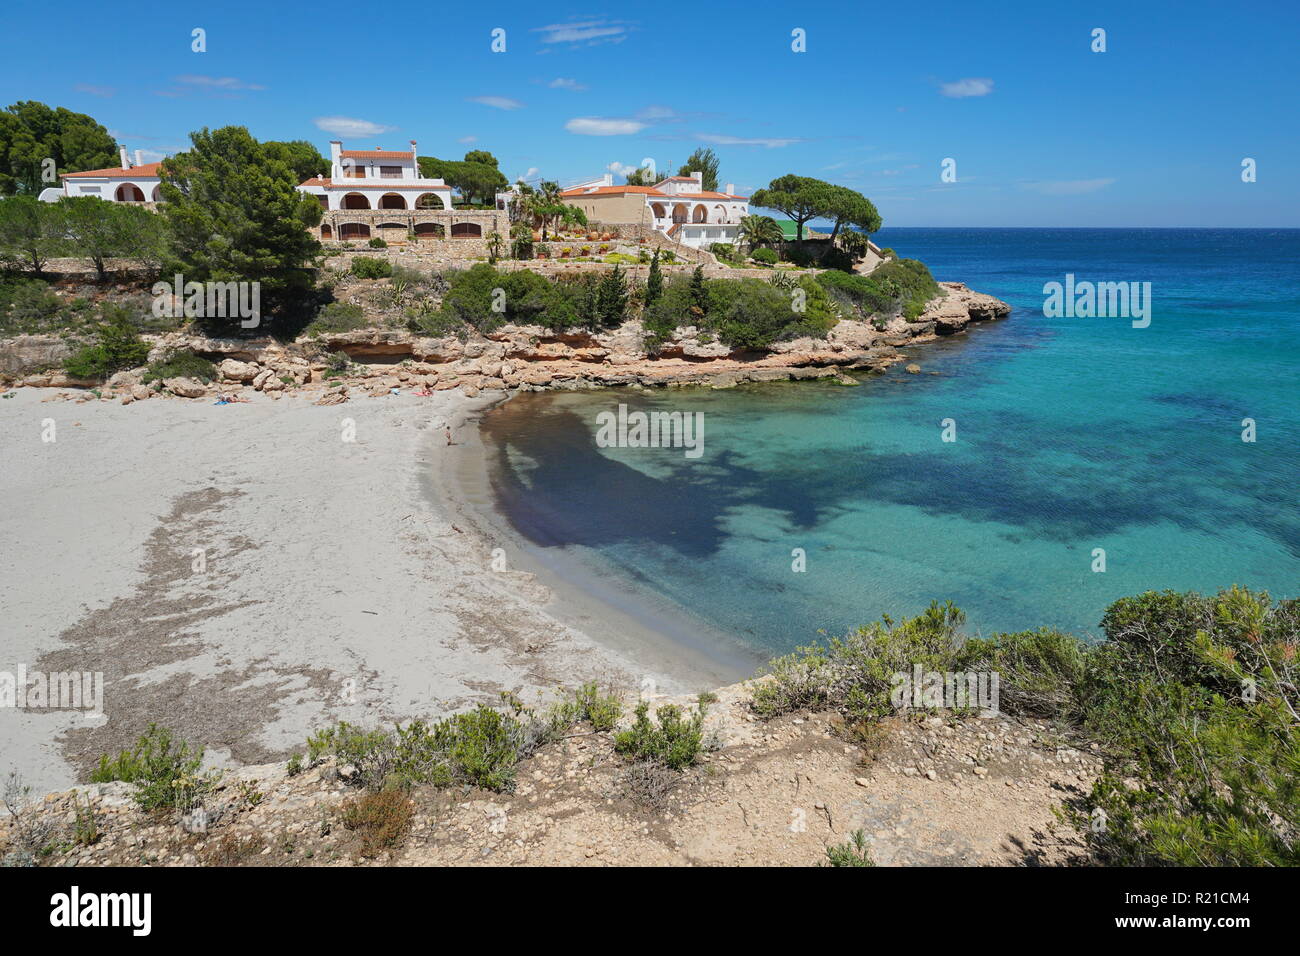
(377, 154)
(612, 191)
(143, 171)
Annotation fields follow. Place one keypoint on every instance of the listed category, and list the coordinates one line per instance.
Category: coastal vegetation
(1191, 700)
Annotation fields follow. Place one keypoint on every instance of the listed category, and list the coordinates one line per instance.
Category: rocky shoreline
(515, 357)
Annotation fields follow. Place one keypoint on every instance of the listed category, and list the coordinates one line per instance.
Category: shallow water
(1073, 434)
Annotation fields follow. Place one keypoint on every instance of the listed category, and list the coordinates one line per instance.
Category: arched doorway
(701, 214)
(391, 201)
(659, 210)
(430, 230)
(355, 201)
(679, 213)
(354, 230)
(128, 192)
(157, 194)
(325, 231)
(428, 201)
(466, 230)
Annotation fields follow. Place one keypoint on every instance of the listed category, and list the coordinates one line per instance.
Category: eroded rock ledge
(532, 357)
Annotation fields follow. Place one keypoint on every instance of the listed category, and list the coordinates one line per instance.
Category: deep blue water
(1072, 434)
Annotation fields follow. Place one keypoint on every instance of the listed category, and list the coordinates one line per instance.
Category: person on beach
(448, 431)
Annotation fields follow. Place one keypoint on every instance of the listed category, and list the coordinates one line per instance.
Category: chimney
(608, 179)
(699, 178)
(412, 147)
(139, 160)
(121, 152)
(336, 160)
(731, 189)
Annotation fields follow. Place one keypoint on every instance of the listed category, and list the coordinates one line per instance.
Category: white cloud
(94, 90)
(584, 32)
(496, 102)
(1069, 187)
(529, 175)
(217, 82)
(597, 126)
(618, 169)
(347, 126)
(564, 83)
(466, 140)
(974, 86)
(719, 139)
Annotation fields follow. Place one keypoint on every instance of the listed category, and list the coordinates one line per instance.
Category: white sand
(335, 585)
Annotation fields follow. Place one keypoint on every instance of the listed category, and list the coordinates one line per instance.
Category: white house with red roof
(131, 182)
(376, 179)
(679, 207)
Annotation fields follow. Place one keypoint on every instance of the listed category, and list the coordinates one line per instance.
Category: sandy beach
(243, 574)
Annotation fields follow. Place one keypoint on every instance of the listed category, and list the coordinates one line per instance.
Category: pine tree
(699, 296)
(611, 298)
(654, 283)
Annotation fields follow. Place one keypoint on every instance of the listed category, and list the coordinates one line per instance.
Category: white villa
(376, 179)
(678, 206)
(131, 182)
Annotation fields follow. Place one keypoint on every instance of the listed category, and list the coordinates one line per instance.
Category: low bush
(377, 243)
(855, 674)
(182, 364)
(480, 748)
(852, 852)
(671, 738)
(765, 255)
(118, 346)
(380, 819)
(368, 267)
(337, 317)
(165, 771)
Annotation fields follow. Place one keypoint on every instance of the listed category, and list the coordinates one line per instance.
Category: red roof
(613, 191)
(353, 184)
(376, 154)
(709, 196)
(679, 179)
(143, 171)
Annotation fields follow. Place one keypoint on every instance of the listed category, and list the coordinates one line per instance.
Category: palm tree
(549, 204)
(758, 231)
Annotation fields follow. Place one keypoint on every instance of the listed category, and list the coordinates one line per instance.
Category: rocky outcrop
(26, 354)
(533, 357)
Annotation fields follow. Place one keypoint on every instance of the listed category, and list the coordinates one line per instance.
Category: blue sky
(1044, 131)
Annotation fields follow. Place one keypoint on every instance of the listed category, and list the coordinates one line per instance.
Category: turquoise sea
(1073, 434)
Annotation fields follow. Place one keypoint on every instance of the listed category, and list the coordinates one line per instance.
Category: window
(390, 172)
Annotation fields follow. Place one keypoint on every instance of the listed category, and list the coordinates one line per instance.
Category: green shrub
(337, 317)
(368, 267)
(854, 674)
(602, 711)
(480, 748)
(377, 243)
(852, 852)
(1040, 673)
(1194, 700)
(764, 255)
(182, 364)
(118, 347)
(671, 739)
(165, 771)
